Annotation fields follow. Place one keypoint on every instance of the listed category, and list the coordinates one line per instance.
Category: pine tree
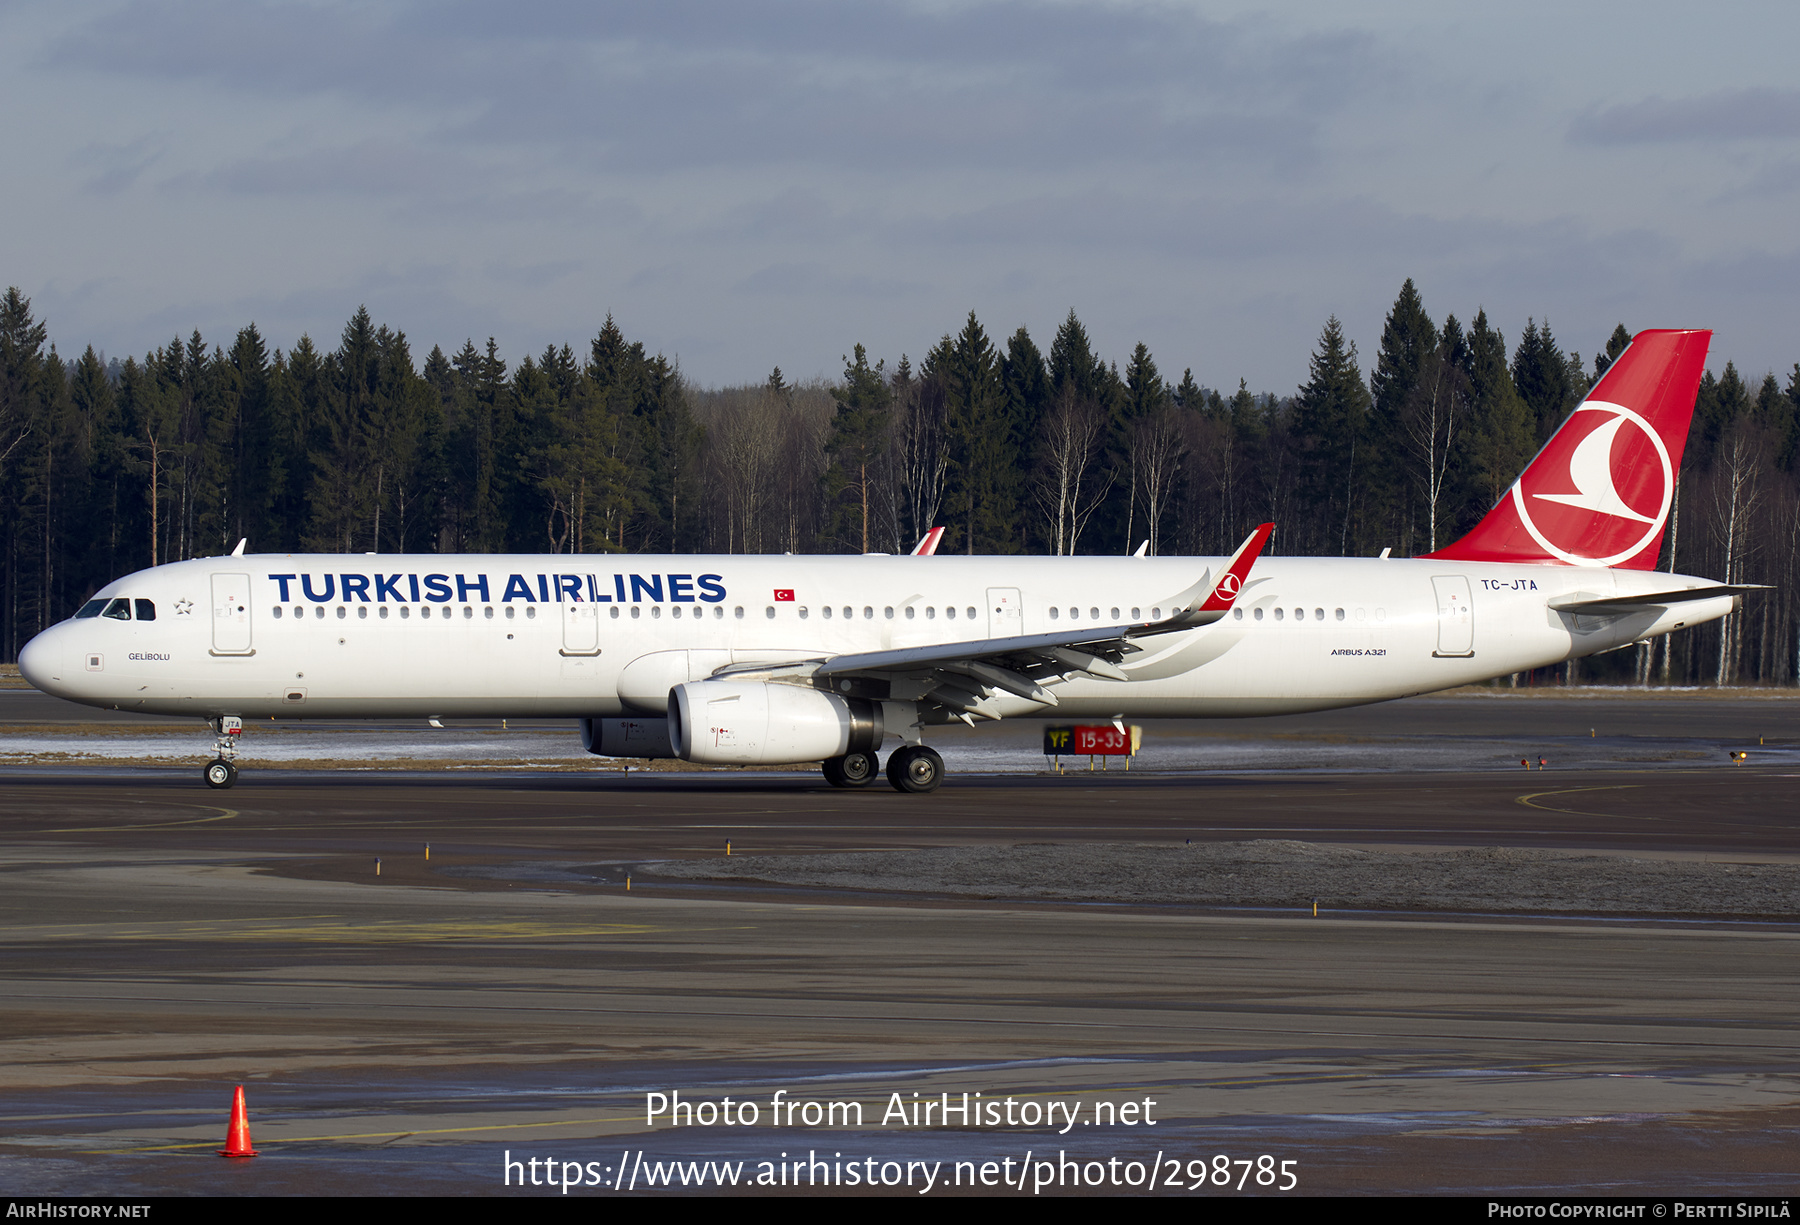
(856, 447)
(1073, 366)
(1540, 372)
(1408, 341)
(1615, 345)
(21, 371)
(975, 406)
(1329, 416)
(1504, 430)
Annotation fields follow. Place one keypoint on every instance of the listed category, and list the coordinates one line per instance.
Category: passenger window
(1115, 614)
(383, 614)
(362, 612)
(719, 612)
(931, 613)
(146, 610)
(1055, 613)
(910, 612)
(615, 613)
(827, 611)
(1340, 614)
(531, 612)
(1318, 614)
(1259, 614)
(803, 612)
(1278, 614)
(971, 614)
(655, 612)
(277, 611)
(950, 613)
(1093, 614)
(341, 613)
(1237, 614)
(118, 610)
(769, 611)
(868, 614)
(406, 612)
(1074, 614)
(888, 613)
(90, 609)
(1134, 614)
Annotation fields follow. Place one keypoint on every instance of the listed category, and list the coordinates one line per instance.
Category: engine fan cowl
(754, 723)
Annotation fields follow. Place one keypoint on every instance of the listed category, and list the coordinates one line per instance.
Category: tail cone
(237, 1139)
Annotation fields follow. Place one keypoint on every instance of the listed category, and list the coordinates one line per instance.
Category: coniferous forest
(108, 466)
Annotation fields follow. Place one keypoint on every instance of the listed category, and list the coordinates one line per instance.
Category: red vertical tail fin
(1600, 491)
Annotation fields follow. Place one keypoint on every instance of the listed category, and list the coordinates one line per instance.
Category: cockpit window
(90, 609)
(146, 610)
(118, 610)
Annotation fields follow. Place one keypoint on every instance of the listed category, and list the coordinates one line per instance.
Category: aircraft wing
(963, 676)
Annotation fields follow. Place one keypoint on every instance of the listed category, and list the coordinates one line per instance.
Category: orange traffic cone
(237, 1139)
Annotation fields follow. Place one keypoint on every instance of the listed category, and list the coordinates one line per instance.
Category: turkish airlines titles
(535, 589)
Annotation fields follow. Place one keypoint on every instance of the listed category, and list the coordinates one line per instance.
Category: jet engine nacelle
(627, 737)
(753, 723)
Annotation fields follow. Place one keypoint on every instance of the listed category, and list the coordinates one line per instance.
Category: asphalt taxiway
(404, 1032)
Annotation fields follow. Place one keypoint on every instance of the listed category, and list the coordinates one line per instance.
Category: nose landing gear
(221, 772)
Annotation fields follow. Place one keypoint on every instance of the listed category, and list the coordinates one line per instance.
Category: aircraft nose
(40, 662)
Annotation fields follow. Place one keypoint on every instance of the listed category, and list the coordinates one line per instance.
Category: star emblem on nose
(183, 607)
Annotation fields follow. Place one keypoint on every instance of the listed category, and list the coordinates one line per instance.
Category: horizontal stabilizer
(1617, 605)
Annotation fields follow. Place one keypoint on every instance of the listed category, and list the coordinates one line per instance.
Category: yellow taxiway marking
(1529, 800)
(344, 933)
(225, 814)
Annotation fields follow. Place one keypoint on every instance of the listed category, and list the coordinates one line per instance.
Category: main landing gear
(221, 772)
(851, 770)
(912, 768)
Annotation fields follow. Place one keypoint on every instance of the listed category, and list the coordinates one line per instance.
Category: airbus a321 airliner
(765, 660)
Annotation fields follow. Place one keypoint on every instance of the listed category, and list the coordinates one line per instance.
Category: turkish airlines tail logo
(1590, 467)
(1600, 492)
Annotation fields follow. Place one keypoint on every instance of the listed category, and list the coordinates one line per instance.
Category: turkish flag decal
(784, 594)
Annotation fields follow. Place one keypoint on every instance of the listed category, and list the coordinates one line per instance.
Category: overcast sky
(752, 183)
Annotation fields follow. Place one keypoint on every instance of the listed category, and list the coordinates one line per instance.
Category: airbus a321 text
(765, 660)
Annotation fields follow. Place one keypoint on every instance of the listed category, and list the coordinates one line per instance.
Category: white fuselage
(385, 636)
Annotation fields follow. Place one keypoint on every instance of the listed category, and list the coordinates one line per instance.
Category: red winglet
(928, 543)
(1231, 580)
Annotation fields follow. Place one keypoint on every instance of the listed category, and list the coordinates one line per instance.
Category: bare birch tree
(1069, 439)
(1158, 444)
